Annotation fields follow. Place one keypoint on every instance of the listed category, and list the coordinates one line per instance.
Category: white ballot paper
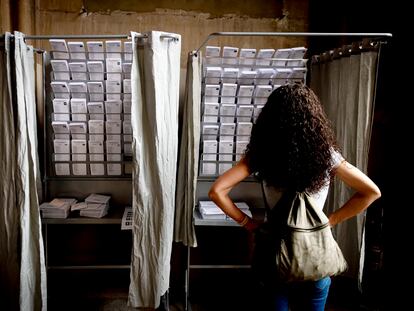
(113, 126)
(126, 68)
(211, 93)
(210, 150)
(62, 169)
(227, 131)
(77, 50)
(79, 149)
(78, 89)
(230, 55)
(280, 57)
(230, 75)
(247, 58)
(211, 111)
(114, 69)
(114, 169)
(113, 49)
(227, 113)
(297, 55)
(61, 146)
(59, 49)
(246, 77)
(212, 55)
(128, 51)
(96, 90)
(264, 56)
(244, 113)
(78, 70)
(228, 93)
(79, 169)
(96, 111)
(244, 94)
(96, 70)
(96, 147)
(264, 76)
(96, 50)
(113, 90)
(298, 74)
(97, 169)
(60, 129)
(60, 89)
(60, 69)
(78, 107)
(281, 75)
(261, 93)
(61, 109)
(226, 150)
(78, 130)
(113, 109)
(127, 127)
(127, 85)
(240, 148)
(127, 106)
(243, 131)
(213, 75)
(210, 132)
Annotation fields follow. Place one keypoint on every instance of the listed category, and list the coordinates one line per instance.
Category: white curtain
(23, 272)
(155, 90)
(346, 86)
(189, 152)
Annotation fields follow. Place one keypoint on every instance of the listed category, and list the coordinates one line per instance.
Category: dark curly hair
(292, 141)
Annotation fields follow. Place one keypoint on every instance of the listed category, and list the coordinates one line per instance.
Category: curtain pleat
(155, 90)
(346, 88)
(189, 152)
(22, 243)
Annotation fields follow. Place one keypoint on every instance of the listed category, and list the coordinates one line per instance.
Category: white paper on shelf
(62, 169)
(59, 65)
(127, 116)
(95, 50)
(97, 169)
(127, 85)
(77, 50)
(96, 90)
(96, 147)
(96, 137)
(240, 148)
(113, 65)
(244, 129)
(113, 90)
(61, 76)
(230, 75)
(60, 55)
(210, 131)
(96, 107)
(128, 138)
(212, 61)
(126, 67)
(96, 69)
(60, 89)
(263, 57)
(213, 75)
(97, 198)
(114, 169)
(283, 55)
(228, 93)
(61, 116)
(115, 137)
(128, 51)
(244, 94)
(208, 168)
(210, 150)
(78, 105)
(246, 77)
(264, 76)
(244, 111)
(113, 106)
(58, 45)
(113, 127)
(78, 89)
(127, 106)
(79, 169)
(281, 75)
(210, 112)
(127, 127)
(261, 93)
(96, 157)
(127, 97)
(211, 93)
(227, 113)
(62, 156)
(212, 51)
(246, 58)
(96, 126)
(60, 127)
(113, 49)
(298, 73)
(227, 131)
(78, 146)
(114, 156)
(230, 55)
(223, 167)
(226, 150)
(297, 54)
(61, 146)
(78, 157)
(61, 105)
(127, 148)
(78, 128)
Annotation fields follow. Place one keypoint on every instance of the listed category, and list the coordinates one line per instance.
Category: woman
(292, 146)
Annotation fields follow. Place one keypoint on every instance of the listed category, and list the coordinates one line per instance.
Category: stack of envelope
(96, 206)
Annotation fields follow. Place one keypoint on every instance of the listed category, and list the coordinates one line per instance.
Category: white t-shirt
(273, 194)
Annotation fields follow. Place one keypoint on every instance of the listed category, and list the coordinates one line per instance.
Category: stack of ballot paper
(209, 210)
(57, 208)
(97, 206)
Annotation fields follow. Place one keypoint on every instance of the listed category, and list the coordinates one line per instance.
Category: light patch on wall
(216, 8)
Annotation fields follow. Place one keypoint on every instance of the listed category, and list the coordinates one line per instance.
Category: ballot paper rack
(235, 86)
(88, 108)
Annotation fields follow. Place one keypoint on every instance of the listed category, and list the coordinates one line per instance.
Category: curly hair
(292, 140)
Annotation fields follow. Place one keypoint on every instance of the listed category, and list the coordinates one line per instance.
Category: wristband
(244, 221)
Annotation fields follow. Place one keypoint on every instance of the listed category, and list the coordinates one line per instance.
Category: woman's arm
(222, 186)
(366, 193)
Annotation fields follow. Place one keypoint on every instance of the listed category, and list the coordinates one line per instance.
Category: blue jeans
(303, 296)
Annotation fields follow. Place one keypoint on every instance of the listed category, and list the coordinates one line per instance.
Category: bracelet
(244, 221)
